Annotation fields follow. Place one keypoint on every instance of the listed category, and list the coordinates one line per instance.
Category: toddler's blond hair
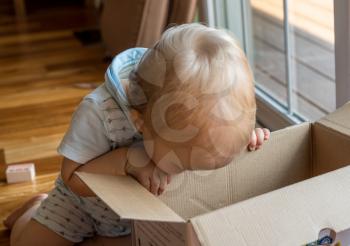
(195, 79)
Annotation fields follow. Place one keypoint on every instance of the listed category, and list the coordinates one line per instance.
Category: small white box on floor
(20, 173)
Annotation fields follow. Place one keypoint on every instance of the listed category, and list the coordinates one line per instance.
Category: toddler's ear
(137, 119)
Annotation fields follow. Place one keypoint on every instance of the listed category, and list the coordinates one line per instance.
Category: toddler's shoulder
(100, 106)
(100, 101)
(99, 96)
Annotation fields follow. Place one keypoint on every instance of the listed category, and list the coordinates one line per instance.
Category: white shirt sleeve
(86, 137)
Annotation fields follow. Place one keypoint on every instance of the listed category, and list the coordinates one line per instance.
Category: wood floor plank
(41, 96)
(41, 62)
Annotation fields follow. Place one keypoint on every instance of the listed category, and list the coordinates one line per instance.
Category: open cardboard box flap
(212, 200)
(136, 204)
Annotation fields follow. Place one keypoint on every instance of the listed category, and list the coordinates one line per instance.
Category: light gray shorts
(76, 218)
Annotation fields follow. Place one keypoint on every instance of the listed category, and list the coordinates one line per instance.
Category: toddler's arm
(112, 163)
(121, 161)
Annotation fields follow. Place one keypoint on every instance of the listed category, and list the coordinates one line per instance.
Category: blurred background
(53, 53)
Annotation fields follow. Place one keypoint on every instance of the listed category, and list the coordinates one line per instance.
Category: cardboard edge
(197, 230)
(159, 233)
(312, 153)
(337, 125)
(327, 128)
(173, 216)
(292, 126)
(314, 149)
(191, 237)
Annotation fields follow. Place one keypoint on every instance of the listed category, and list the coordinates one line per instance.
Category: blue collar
(120, 68)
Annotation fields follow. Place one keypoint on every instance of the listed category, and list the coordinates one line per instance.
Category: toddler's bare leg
(13, 217)
(27, 232)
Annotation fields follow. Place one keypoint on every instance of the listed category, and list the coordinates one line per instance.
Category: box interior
(293, 154)
(283, 160)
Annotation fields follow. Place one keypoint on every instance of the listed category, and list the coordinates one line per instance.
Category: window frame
(342, 50)
(270, 112)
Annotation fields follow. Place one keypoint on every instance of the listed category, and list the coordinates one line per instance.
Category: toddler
(186, 104)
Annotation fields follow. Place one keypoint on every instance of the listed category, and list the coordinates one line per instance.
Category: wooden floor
(41, 63)
(313, 52)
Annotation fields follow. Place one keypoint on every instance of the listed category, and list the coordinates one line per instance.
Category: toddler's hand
(259, 135)
(148, 175)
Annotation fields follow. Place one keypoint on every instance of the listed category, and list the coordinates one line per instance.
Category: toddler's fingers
(252, 142)
(155, 183)
(146, 183)
(266, 133)
(259, 136)
(168, 179)
(163, 184)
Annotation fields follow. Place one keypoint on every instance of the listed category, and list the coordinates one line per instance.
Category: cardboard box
(258, 199)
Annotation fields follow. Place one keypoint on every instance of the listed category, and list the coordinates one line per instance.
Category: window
(291, 47)
(311, 54)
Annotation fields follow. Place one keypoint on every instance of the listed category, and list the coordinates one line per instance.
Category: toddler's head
(200, 109)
